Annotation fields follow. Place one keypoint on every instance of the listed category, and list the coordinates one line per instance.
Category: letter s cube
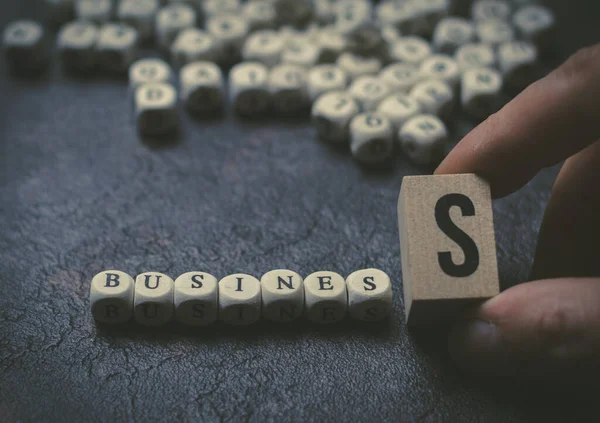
(111, 296)
(447, 245)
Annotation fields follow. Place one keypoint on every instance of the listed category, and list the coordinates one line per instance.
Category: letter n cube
(447, 245)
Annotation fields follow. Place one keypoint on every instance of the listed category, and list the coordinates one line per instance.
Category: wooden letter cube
(447, 245)
(202, 88)
(282, 295)
(196, 298)
(480, 92)
(98, 11)
(139, 14)
(239, 299)
(423, 139)
(288, 87)
(192, 45)
(263, 46)
(24, 45)
(111, 296)
(369, 295)
(368, 91)
(170, 20)
(400, 77)
(332, 114)
(156, 109)
(76, 44)
(153, 303)
(371, 138)
(435, 97)
(146, 71)
(249, 88)
(326, 297)
(117, 47)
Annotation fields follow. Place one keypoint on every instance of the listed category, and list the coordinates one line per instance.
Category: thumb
(543, 329)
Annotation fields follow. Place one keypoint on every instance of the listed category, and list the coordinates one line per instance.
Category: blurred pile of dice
(375, 75)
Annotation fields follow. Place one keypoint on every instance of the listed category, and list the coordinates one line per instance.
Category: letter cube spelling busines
(196, 298)
(111, 296)
(239, 299)
(369, 295)
(282, 295)
(447, 245)
(326, 297)
(153, 302)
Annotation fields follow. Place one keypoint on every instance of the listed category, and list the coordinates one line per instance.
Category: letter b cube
(111, 296)
(447, 245)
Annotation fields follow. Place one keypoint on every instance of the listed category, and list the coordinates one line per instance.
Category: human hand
(549, 327)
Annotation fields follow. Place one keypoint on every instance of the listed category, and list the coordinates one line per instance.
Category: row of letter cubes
(198, 299)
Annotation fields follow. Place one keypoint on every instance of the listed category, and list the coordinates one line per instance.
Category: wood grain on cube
(196, 298)
(282, 295)
(153, 302)
(111, 296)
(447, 245)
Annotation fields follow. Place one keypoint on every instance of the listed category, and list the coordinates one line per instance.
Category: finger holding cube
(447, 246)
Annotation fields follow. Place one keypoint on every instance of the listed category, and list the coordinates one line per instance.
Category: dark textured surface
(80, 193)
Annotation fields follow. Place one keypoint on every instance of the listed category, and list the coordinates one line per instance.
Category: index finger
(551, 120)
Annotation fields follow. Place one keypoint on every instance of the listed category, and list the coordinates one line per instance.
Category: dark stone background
(81, 193)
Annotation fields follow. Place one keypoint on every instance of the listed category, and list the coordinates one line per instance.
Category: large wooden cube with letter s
(447, 245)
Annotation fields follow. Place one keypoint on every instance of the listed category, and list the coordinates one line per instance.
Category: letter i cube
(239, 299)
(111, 296)
(447, 245)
